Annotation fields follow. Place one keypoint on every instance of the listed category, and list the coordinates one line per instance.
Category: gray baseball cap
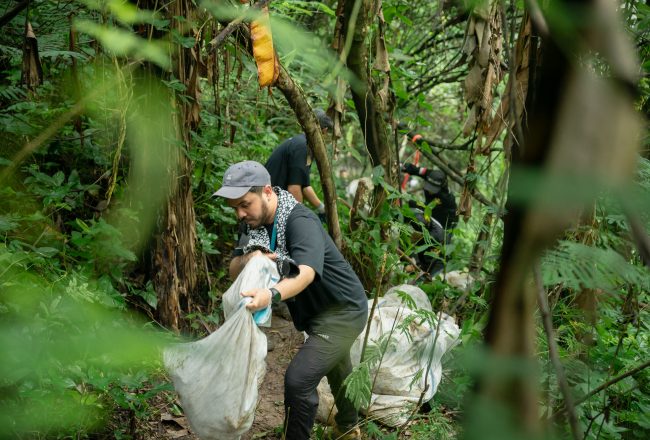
(241, 177)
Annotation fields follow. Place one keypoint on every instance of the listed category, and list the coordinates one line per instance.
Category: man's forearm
(290, 287)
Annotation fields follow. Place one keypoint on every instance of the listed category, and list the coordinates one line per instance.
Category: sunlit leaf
(124, 43)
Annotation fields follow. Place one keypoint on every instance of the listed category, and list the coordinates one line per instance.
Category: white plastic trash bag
(258, 272)
(412, 359)
(217, 377)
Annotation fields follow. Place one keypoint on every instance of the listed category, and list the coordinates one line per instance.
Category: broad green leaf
(125, 43)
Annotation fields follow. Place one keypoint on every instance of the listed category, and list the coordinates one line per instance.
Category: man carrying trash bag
(324, 295)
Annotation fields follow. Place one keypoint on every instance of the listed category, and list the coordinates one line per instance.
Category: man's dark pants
(325, 353)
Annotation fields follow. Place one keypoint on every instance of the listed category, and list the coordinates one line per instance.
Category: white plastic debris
(412, 363)
(217, 377)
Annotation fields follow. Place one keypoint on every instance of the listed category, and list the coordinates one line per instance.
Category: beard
(263, 218)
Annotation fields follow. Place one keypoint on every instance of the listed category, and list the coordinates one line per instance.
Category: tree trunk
(565, 101)
(368, 101)
(174, 261)
(510, 333)
(373, 102)
(309, 124)
(307, 120)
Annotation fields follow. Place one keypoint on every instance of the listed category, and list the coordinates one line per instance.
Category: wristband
(276, 297)
(321, 208)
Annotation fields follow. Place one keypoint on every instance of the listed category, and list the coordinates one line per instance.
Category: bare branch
(438, 30)
(452, 172)
(15, 11)
(611, 382)
(230, 27)
(553, 354)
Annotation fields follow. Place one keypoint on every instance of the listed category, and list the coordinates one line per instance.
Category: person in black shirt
(324, 295)
(443, 214)
(290, 163)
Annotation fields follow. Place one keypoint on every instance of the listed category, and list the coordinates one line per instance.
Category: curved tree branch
(611, 382)
(13, 12)
(309, 124)
(307, 120)
(554, 355)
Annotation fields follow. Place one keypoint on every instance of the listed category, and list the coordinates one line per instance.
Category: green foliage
(76, 353)
(73, 263)
(595, 351)
(358, 385)
(578, 266)
(434, 424)
(71, 349)
(55, 191)
(100, 245)
(122, 42)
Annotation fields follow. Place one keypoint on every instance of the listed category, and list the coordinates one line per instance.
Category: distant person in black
(290, 163)
(443, 214)
(324, 295)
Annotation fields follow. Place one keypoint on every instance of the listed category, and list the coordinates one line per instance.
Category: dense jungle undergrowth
(118, 119)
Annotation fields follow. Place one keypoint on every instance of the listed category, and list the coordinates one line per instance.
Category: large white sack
(217, 377)
(412, 360)
(260, 271)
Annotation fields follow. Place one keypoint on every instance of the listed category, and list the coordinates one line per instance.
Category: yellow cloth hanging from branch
(266, 59)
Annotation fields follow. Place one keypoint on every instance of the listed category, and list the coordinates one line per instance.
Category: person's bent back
(290, 165)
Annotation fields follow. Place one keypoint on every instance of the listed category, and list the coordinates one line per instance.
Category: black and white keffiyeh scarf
(259, 237)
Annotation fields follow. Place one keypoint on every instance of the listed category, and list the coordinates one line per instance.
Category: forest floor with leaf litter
(165, 420)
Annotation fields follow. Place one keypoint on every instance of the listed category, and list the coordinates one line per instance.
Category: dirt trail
(269, 414)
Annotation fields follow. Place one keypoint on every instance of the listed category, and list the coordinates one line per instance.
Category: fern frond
(358, 386)
(11, 93)
(643, 172)
(579, 266)
(54, 53)
(376, 350)
(10, 52)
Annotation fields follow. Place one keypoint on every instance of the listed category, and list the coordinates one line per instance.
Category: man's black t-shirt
(288, 165)
(336, 288)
